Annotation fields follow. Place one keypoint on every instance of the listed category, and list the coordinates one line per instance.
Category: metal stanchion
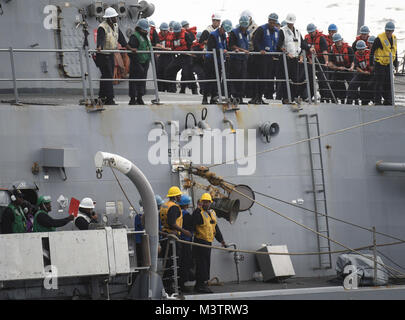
(307, 77)
(14, 76)
(314, 79)
(83, 74)
(152, 55)
(214, 55)
(392, 80)
(287, 78)
(222, 57)
(86, 52)
(375, 256)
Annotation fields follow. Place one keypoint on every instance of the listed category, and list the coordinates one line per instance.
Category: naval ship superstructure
(298, 173)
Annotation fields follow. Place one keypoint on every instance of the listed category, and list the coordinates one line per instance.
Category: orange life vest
(364, 60)
(342, 55)
(179, 42)
(168, 39)
(315, 42)
(358, 38)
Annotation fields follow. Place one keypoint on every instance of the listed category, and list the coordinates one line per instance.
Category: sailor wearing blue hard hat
(364, 35)
(383, 53)
(332, 30)
(239, 42)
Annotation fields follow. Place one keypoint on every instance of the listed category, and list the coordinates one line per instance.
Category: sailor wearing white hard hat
(86, 214)
(108, 38)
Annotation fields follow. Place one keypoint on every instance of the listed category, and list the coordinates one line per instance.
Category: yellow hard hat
(174, 192)
(206, 196)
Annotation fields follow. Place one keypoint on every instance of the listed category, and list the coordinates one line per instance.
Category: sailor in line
(86, 215)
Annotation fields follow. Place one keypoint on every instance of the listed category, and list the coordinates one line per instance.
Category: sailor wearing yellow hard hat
(205, 230)
(172, 222)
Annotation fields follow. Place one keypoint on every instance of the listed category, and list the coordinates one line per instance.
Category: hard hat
(198, 36)
(171, 24)
(177, 27)
(371, 39)
(159, 200)
(390, 26)
(184, 200)
(361, 45)
(110, 13)
(227, 25)
(152, 23)
(291, 18)
(206, 196)
(184, 23)
(174, 192)
(273, 16)
(87, 203)
(244, 21)
(364, 30)
(43, 199)
(332, 27)
(216, 16)
(164, 26)
(311, 28)
(283, 23)
(337, 37)
(246, 13)
(143, 24)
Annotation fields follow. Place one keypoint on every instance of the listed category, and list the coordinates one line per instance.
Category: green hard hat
(43, 199)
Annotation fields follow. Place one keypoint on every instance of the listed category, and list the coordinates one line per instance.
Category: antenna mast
(362, 15)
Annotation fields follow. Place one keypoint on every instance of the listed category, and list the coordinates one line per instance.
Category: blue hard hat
(143, 24)
(361, 45)
(337, 37)
(332, 27)
(244, 21)
(311, 28)
(152, 23)
(273, 16)
(364, 30)
(164, 26)
(371, 39)
(159, 200)
(227, 25)
(390, 26)
(176, 27)
(171, 24)
(184, 200)
(184, 23)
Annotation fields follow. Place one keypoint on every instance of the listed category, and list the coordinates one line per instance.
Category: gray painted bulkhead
(356, 191)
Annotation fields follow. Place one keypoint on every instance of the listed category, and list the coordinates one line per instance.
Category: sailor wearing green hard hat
(45, 223)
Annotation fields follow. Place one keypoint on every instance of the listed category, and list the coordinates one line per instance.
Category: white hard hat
(291, 18)
(110, 13)
(216, 16)
(87, 203)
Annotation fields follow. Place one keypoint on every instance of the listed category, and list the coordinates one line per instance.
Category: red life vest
(179, 42)
(342, 55)
(363, 60)
(151, 32)
(329, 40)
(198, 45)
(193, 30)
(315, 41)
(168, 39)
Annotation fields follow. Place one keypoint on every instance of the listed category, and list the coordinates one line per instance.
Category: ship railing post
(217, 75)
(392, 80)
(153, 63)
(314, 79)
(14, 75)
(83, 74)
(307, 78)
(221, 53)
(375, 256)
(287, 78)
(86, 52)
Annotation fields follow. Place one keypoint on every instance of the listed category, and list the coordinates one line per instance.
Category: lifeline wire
(309, 229)
(313, 138)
